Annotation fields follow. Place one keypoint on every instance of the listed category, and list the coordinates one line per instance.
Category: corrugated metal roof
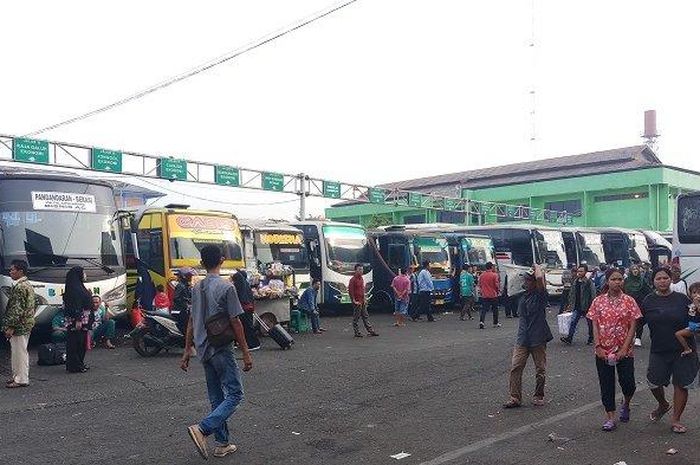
(623, 159)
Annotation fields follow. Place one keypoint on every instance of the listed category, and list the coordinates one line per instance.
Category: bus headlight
(116, 296)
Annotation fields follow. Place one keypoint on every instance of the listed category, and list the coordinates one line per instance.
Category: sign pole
(302, 196)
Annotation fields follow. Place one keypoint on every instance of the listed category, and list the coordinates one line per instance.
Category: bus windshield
(346, 246)
(478, 250)
(190, 233)
(591, 249)
(639, 250)
(59, 223)
(514, 243)
(434, 250)
(552, 251)
(283, 247)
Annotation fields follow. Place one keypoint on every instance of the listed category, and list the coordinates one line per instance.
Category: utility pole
(302, 193)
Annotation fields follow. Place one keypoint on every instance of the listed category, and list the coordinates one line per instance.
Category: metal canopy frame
(77, 156)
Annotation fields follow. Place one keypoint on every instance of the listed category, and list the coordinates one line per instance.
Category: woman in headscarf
(638, 288)
(245, 295)
(79, 316)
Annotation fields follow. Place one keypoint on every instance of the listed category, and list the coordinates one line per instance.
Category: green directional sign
(30, 150)
(331, 189)
(106, 160)
(227, 175)
(450, 204)
(273, 182)
(376, 195)
(415, 199)
(173, 169)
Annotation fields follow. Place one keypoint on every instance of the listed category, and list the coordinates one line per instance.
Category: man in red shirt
(356, 288)
(490, 290)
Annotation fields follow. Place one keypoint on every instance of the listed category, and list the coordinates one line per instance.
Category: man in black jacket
(581, 297)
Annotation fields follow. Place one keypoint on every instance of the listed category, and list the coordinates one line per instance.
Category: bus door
(313, 249)
(686, 237)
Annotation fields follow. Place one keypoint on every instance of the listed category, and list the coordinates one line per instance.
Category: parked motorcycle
(156, 333)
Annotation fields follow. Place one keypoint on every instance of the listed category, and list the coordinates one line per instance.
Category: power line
(199, 69)
(236, 204)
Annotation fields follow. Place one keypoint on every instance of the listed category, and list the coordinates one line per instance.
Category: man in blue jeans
(210, 296)
(581, 297)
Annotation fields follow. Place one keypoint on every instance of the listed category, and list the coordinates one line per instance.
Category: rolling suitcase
(277, 333)
(52, 354)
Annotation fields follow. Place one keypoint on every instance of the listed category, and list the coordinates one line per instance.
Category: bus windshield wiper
(94, 261)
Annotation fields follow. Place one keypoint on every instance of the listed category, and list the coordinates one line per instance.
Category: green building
(627, 187)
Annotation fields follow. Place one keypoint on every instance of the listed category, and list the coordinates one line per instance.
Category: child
(161, 301)
(694, 319)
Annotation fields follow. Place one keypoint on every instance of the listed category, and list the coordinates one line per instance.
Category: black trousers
(606, 378)
(425, 307)
(76, 344)
(251, 335)
(486, 305)
(414, 306)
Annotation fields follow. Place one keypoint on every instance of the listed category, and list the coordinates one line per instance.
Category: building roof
(606, 161)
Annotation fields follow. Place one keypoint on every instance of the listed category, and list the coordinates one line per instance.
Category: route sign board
(106, 160)
(30, 150)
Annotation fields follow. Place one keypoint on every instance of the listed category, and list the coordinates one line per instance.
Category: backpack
(52, 354)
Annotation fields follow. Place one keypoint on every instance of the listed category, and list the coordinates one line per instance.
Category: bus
(624, 247)
(333, 250)
(519, 247)
(686, 236)
(398, 248)
(55, 222)
(584, 246)
(267, 243)
(171, 238)
(659, 249)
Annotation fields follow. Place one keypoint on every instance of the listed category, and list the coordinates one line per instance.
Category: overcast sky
(383, 90)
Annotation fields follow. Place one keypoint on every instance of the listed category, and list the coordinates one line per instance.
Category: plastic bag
(564, 321)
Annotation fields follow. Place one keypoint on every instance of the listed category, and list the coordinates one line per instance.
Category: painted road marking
(484, 443)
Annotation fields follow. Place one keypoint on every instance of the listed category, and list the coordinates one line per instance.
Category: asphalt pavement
(431, 390)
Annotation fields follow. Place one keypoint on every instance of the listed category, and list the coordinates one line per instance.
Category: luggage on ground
(277, 333)
(52, 354)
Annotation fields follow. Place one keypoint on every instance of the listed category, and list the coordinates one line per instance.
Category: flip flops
(679, 429)
(659, 413)
(609, 426)
(624, 413)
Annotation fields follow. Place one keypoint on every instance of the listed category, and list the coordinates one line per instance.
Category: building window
(452, 217)
(572, 207)
(414, 219)
(613, 198)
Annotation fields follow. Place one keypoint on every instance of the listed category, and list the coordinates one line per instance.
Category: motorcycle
(155, 333)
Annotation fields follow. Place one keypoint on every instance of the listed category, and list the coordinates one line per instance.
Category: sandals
(609, 426)
(658, 413)
(512, 404)
(679, 429)
(14, 385)
(624, 413)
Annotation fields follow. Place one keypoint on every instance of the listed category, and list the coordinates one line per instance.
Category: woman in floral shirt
(614, 315)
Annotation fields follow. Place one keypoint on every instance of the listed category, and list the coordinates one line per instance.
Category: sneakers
(223, 451)
(481, 325)
(253, 349)
(358, 335)
(497, 325)
(565, 340)
(373, 334)
(538, 402)
(200, 441)
(637, 342)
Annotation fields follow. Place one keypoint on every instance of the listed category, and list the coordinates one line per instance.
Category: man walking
(425, 290)
(18, 324)
(489, 287)
(210, 297)
(356, 289)
(566, 278)
(307, 304)
(533, 336)
(583, 291)
(466, 289)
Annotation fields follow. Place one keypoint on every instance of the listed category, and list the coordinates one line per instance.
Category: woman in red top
(614, 315)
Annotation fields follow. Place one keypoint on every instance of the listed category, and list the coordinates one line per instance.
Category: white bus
(519, 247)
(333, 250)
(686, 236)
(55, 223)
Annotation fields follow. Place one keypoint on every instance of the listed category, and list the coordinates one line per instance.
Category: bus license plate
(345, 299)
(439, 302)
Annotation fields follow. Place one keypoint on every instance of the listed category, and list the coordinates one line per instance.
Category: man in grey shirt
(210, 296)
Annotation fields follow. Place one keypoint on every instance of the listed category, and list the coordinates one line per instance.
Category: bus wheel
(270, 320)
(382, 302)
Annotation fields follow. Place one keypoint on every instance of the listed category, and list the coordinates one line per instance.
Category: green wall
(653, 210)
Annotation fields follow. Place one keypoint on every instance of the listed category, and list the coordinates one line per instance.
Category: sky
(382, 90)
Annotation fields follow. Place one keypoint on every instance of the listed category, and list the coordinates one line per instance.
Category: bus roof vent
(396, 227)
(181, 206)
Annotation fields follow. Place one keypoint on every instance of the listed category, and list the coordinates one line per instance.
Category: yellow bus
(171, 237)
